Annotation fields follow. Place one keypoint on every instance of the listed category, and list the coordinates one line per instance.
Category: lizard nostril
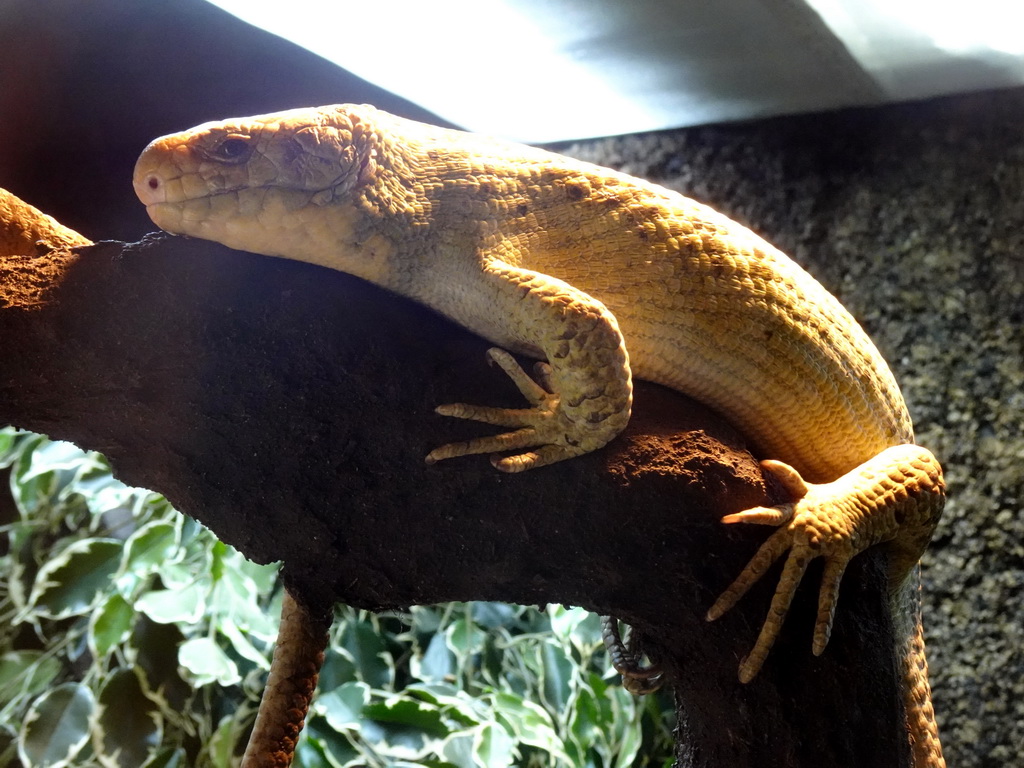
(153, 182)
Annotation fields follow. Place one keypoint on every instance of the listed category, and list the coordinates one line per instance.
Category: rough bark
(289, 409)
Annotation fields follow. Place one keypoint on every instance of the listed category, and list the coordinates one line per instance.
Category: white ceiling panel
(549, 70)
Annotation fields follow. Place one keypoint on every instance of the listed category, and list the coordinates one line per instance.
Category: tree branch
(289, 409)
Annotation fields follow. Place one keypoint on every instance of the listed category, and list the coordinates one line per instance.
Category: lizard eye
(234, 149)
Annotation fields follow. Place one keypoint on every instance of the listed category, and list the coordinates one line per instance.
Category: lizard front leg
(584, 394)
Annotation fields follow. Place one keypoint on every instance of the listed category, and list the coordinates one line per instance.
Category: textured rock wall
(914, 216)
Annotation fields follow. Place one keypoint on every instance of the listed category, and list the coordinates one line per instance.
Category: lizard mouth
(168, 200)
(157, 190)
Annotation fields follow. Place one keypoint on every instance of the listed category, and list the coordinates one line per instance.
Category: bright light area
(478, 63)
(551, 70)
(959, 26)
(890, 33)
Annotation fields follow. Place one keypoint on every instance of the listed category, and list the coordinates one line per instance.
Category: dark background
(85, 86)
(912, 214)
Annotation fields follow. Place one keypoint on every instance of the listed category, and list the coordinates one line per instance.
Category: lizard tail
(917, 692)
(298, 656)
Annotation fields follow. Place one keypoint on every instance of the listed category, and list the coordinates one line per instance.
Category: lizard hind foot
(893, 497)
(808, 527)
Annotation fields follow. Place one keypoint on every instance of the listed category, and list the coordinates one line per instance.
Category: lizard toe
(541, 457)
(507, 441)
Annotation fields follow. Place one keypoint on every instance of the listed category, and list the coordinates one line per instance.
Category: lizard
(602, 277)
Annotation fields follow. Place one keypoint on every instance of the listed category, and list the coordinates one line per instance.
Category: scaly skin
(605, 277)
(298, 656)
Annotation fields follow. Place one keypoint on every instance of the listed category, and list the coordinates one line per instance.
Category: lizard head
(245, 182)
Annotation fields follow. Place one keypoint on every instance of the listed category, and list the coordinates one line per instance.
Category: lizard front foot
(545, 427)
(894, 497)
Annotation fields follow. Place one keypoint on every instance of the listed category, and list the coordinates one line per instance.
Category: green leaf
(207, 663)
(103, 492)
(156, 654)
(465, 638)
(57, 726)
(558, 671)
(241, 644)
(311, 753)
(110, 625)
(26, 673)
(167, 758)
(494, 615)
(129, 726)
(492, 746)
(564, 621)
(234, 599)
(623, 713)
(336, 746)
(71, 583)
(629, 744)
(438, 663)
(530, 723)
(231, 582)
(395, 740)
(586, 635)
(458, 750)
(426, 619)
(588, 723)
(21, 446)
(605, 720)
(8, 439)
(337, 670)
(34, 493)
(149, 548)
(58, 455)
(220, 747)
(165, 606)
(369, 653)
(434, 693)
(8, 747)
(456, 704)
(343, 706)
(405, 711)
(176, 574)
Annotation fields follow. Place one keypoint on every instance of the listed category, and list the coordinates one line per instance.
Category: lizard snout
(150, 185)
(150, 189)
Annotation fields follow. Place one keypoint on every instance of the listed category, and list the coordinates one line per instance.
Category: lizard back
(705, 305)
